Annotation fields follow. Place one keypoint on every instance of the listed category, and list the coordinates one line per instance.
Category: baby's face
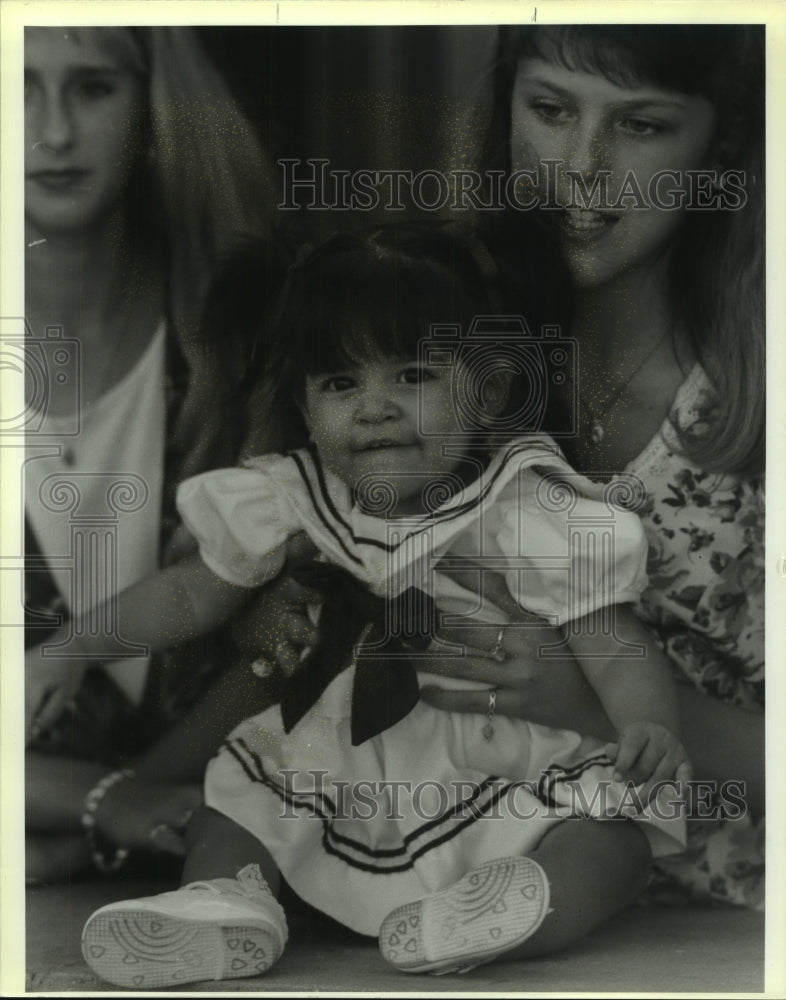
(386, 423)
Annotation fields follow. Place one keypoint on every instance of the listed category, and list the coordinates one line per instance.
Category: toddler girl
(445, 834)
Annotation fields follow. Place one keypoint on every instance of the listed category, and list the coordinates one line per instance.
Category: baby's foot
(221, 929)
(494, 908)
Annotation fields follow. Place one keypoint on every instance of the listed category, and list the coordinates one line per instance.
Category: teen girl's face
(370, 419)
(81, 107)
(593, 125)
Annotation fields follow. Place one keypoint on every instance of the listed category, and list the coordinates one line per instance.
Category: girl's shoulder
(537, 461)
(258, 479)
(540, 482)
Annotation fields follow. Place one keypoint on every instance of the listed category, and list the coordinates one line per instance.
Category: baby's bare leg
(595, 869)
(217, 847)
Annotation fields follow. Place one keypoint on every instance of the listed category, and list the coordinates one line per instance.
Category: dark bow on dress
(385, 687)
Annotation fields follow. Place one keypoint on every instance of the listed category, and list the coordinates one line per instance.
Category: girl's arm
(630, 675)
(633, 680)
(177, 604)
(726, 744)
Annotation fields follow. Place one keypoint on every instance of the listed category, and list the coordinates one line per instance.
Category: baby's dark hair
(370, 295)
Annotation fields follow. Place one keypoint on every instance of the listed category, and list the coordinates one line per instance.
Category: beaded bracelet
(93, 800)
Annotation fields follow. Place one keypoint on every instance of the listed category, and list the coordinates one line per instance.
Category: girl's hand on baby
(144, 815)
(647, 753)
(50, 684)
(550, 692)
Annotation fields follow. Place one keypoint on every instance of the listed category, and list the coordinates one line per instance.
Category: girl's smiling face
(82, 106)
(394, 421)
(592, 124)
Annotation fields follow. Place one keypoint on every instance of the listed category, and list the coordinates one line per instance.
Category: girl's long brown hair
(718, 261)
(203, 184)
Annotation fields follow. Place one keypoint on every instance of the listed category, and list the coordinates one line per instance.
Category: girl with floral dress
(667, 307)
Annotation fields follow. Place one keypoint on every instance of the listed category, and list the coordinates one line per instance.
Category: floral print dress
(705, 602)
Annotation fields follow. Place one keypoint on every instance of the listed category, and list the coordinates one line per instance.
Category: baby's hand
(647, 753)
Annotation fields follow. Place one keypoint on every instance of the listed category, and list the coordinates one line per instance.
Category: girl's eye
(337, 383)
(416, 375)
(95, 89)
(549, 111)
(642, 126)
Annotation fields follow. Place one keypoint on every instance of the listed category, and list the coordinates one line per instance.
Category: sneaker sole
(139, 948)
(494, 908)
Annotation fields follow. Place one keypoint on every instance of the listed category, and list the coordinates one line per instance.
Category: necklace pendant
(596, 432)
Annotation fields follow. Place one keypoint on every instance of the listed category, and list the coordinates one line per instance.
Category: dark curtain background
(372, 98)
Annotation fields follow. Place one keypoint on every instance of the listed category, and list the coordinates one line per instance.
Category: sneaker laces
(252, 884)
(249, 882)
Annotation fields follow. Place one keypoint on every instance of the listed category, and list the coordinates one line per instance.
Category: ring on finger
(488, 729)
(496, 652)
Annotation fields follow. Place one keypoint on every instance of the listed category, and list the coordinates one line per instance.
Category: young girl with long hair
(667, 307)
(140, 175)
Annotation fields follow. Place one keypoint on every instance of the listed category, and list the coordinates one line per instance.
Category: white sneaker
(494, 908)
(221, 929)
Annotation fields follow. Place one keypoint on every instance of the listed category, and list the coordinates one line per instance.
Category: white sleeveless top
(112, 482)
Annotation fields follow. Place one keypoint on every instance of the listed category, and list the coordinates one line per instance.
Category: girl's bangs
(686, 58)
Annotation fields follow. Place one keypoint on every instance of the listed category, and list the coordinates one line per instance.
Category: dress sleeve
(239, 521)
(566, 563)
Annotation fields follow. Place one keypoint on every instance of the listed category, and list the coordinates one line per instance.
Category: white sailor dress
(359, 829)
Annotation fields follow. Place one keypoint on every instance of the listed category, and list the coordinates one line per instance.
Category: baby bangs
(358, 297)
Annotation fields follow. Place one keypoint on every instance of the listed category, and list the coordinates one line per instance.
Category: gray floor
(644, 950)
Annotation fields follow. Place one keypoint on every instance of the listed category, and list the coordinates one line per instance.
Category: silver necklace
(597, 430)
